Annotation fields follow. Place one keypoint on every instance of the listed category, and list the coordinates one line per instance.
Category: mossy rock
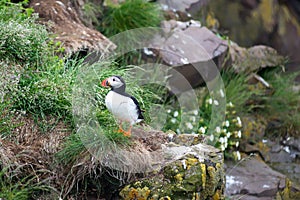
(196, 173)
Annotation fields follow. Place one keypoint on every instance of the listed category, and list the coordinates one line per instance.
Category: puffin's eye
(114, 79)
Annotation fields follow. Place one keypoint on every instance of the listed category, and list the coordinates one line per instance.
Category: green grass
(12, 187)
(282, 102)
(22, 40)
(130, 15)
(237, 90)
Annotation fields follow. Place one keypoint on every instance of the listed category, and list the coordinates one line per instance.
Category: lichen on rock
(195, 173)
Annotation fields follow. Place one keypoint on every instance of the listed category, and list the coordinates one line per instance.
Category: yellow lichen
(203, 174)
(191, 162)
(178, 177)
(217, 195)
(131, 193)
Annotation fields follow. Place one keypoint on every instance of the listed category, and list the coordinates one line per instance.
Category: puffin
(123, 106)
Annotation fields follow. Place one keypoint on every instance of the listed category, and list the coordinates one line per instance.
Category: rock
(253, 178)
(271, 23)
(195, 55)
(184, 5)
(63, 20)
(254, 58)
(188, 172)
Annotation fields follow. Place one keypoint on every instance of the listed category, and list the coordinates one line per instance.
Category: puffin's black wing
(137, 107)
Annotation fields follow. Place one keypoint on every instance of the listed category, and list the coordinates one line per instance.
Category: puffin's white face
(113, 82)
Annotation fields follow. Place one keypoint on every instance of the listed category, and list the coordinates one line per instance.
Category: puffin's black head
(115, 82)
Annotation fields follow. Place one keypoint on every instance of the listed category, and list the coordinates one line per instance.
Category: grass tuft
(128, 15)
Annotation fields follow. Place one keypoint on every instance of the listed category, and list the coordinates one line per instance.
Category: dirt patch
(63, 20)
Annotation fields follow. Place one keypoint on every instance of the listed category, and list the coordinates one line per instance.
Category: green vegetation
(130, 15)
(37, 83)
(281, 101)
(22, 40)
(12, 187)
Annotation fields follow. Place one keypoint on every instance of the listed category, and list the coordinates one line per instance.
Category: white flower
(193, 118)
(211, 137)
(189, 125)
(195, 112)
(210, 101)
(222, 93)
(237, 144)
(169, 111)
(218, 129)
(176, 113)
(202, 130)
(173, 120)
(216, 102)
(239, 122)
(238, 155)
(239, 134)
(225, 140)
(227, 123)
(222, 148)
(221, 140)
(228, 134)
(230, 104)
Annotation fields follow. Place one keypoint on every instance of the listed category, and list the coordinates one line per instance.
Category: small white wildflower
(238, 155)
(169, 111)
(222, 148)
(216, 102)
(218, 129)
(176, 114)
(239, 122)
(195, 112)
(227, 123)
(193, 118)
(224, 130)
(237, 144)
(210, 101)
(221, 140)
(226, 145)
(228, 134)
(230, 104)
(173, 120)
(189, 125)
(211, 137)
(239, 134)
(225, 140)
(222, 93)
(202, 130)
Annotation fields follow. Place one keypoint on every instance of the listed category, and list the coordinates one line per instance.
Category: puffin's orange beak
(105, 83)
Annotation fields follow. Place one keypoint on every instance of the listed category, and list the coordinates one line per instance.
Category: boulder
(63, 20)
(253, 179)
(195, 54)
(253, 59)
(189, 171)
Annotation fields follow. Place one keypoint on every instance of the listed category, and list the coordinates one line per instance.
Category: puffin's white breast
(122, 107)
